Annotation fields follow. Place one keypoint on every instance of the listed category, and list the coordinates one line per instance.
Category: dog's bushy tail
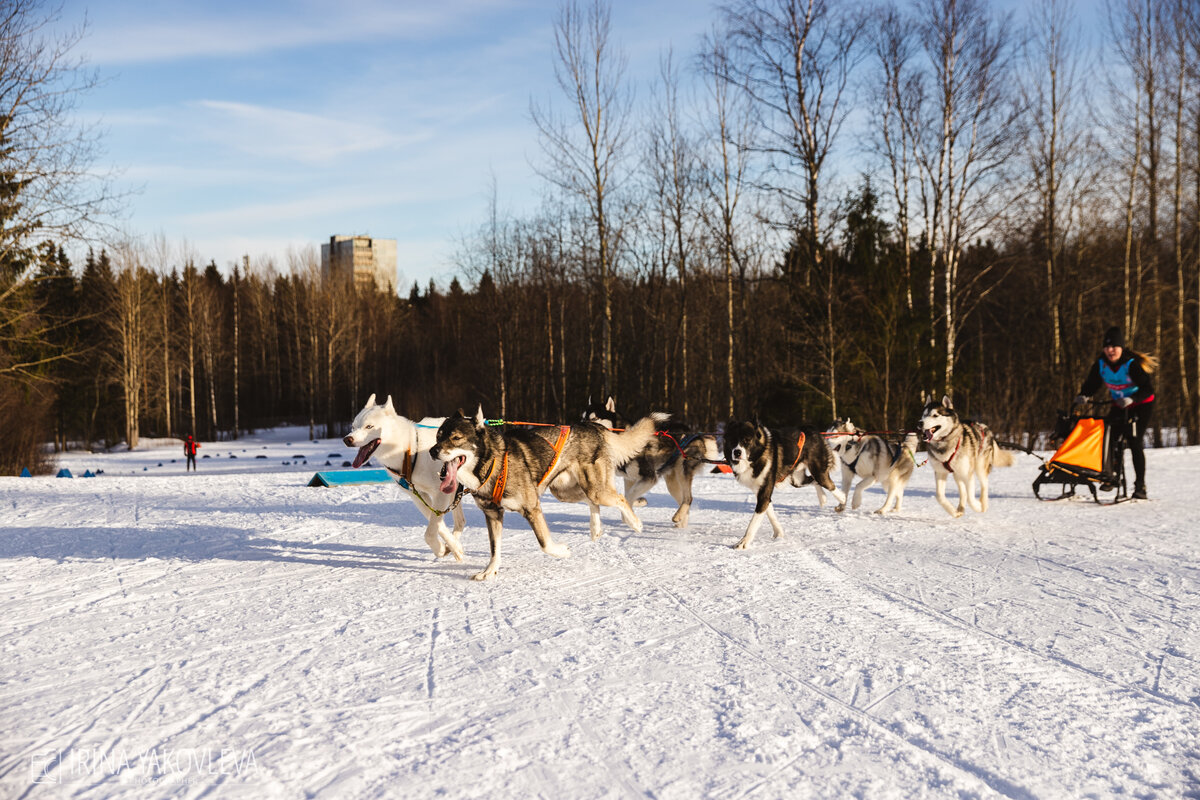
(630, 443)
(1000, 456)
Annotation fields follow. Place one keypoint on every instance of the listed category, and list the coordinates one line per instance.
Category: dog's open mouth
(450, 474)
(364, 453)
(929, 432)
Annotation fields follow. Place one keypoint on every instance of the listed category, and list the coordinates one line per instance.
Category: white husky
(402, 448)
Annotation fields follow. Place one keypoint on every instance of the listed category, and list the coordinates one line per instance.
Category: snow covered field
(236, 633)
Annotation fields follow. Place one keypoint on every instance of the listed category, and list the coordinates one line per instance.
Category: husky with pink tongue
(401, 446)
(508, 468)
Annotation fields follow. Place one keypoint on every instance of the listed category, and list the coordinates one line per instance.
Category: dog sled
(1092, 454)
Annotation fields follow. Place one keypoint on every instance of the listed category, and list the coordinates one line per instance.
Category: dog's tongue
(450, 476)
(364, 453)
(929, 434)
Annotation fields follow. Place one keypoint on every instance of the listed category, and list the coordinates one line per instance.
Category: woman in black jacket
(1125, 374)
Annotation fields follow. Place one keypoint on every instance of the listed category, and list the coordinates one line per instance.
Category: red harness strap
(983, 434)
(796, 463)
(564, 431)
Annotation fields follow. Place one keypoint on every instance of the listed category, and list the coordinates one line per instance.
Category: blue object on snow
(64, 473)
(349, 477)
(89, 474)
(25, 473)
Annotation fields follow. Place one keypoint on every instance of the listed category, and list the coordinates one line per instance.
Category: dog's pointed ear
(947, 403)
(461, 414)
(388, 405)
(371, 399)
(479, 419)
(611, 405)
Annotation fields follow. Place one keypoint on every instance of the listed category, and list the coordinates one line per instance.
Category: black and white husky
(675, 454)
(508, 467)
(762, 458)
(401, 446)
(966, 450)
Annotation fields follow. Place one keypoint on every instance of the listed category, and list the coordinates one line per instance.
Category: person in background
(1125, 373)
(189, 450)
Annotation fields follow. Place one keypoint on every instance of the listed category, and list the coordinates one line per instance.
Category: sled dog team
(438, 459)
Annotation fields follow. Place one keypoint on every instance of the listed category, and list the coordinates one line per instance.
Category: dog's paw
(840, 508)
(558, 550)
(457, 551)
(639, 503)
(741, 545)
(483, 576)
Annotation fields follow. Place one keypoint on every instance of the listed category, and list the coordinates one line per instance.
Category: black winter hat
(1113, 337)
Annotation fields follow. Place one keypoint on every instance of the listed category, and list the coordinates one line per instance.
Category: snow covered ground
(236, 633)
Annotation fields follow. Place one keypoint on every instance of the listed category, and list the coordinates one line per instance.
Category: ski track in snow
(1042, 650)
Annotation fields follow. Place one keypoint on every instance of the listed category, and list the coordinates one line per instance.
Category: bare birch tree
(586, 154)
(130, 323)
(1059, 150)
(674, 169)
(794, 59)
(729, 139)
(965, 135)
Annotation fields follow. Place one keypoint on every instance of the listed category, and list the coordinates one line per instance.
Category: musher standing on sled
(1126, 375)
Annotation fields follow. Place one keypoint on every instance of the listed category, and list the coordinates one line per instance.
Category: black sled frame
(1107, 485)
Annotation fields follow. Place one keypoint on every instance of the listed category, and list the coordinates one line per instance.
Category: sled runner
(1092, 454)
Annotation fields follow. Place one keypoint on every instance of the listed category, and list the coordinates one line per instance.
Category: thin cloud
(267, 132)
(196, 32)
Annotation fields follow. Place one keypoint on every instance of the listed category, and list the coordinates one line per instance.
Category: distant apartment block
(367, 260)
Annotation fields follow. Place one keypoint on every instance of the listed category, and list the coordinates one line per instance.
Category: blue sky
(248, 127)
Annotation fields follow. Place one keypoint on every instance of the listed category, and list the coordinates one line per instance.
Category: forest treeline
(826, 210)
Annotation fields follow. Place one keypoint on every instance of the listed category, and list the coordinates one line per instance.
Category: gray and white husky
(675, 454)
(901, 473)
(967, 450)
(872, 459)
(402, 448)
(762, 458)
(507, 468)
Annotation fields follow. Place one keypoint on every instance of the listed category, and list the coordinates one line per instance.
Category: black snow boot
(1139, 491)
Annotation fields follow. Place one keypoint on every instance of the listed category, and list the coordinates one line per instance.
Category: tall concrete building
(363, 258)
